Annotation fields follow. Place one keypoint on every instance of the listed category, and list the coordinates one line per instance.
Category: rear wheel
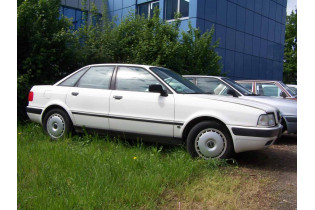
(57, 123)
(209, 139)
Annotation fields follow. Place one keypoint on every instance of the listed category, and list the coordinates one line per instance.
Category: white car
(156, 104)
(227, 87)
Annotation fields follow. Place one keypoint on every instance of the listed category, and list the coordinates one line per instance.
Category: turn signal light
(30, 96)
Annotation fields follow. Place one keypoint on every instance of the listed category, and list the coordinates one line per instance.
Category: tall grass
(92, 172)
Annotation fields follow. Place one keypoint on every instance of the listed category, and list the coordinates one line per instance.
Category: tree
(46, 47)
(290, 50)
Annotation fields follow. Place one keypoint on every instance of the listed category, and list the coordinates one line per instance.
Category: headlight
(266, 120)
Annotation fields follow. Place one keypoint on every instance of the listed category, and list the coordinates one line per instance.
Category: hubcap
(55, 126)
(210, 143)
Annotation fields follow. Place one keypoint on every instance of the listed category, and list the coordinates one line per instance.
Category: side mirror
(158, 89)
(283, 94)
(231, 92)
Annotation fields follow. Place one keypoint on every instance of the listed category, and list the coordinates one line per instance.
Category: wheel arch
(197, 120)
(56, 106)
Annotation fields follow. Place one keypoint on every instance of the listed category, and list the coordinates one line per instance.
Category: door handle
(117, 97)
(75, 93)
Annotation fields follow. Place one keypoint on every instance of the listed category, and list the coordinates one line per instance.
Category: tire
(210, 139)
(57, 124)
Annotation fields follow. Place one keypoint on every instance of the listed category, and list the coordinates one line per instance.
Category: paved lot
(279, 164)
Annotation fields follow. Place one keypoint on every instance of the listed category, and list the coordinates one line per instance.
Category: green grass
(91, 172)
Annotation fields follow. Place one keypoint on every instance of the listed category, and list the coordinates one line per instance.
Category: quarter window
(97, 77)
(147, 9)
(134, 79)
(268, 89)
(176, 6)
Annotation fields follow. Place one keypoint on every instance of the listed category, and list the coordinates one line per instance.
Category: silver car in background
(227, 87)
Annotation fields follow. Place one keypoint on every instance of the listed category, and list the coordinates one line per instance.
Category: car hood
(255, 104)
(286, 107)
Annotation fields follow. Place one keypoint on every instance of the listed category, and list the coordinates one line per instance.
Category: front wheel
(209, 139)
(57, 123)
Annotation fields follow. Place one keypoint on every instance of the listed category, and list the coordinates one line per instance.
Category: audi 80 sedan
(154, 104)
(226, 87)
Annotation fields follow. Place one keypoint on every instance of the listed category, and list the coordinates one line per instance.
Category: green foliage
(290, 50)
(89, 172)
(48, 49)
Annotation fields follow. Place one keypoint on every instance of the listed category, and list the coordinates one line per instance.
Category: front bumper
(253, 138)
(291, 122)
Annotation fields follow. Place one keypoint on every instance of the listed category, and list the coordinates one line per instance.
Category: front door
(133, 109)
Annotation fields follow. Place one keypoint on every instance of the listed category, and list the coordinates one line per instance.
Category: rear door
(89, 99)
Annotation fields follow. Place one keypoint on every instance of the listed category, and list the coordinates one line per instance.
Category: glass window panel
(134, 79)
(171, 9)
(70, 82)
(212, 86)
(143, 9)
(247, 85)
(184, 8)
(268, 89)
(97, 77)
(153, 6)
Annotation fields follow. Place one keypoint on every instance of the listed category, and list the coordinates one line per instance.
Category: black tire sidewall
(190, 141)
(66, 118)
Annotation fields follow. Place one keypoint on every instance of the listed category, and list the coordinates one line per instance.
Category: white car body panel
(144, 107)
(151, 114)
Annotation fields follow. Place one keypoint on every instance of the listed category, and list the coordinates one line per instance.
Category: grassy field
(92, 172)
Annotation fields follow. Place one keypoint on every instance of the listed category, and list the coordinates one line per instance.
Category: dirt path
(279, 164)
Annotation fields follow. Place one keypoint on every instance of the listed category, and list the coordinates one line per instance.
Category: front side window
(268, 89)
(248, 86)
(97, 77)
(176, 6)
(213, 86)
(176, 81)
(147, 9)
(134, 79)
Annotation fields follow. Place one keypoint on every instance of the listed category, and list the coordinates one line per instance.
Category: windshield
(238, 87)
(176, 81)
(292, 93)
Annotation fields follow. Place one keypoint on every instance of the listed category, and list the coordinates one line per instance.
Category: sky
(291, 5)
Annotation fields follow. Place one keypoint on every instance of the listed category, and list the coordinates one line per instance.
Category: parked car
(293, 87)
(155, 104)
(227, 87)
(269, 88)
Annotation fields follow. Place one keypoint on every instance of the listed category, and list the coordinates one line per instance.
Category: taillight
(30, 96)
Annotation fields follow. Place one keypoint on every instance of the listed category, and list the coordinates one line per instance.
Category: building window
(176, 6)
(147, 9)
(77, 16)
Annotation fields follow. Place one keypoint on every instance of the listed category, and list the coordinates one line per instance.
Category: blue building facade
(251, 32)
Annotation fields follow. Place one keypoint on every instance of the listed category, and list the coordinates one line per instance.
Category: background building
(251, 32)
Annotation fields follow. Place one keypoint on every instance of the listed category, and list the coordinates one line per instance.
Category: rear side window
(268, 89)
(97, 77)
(70, 82)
